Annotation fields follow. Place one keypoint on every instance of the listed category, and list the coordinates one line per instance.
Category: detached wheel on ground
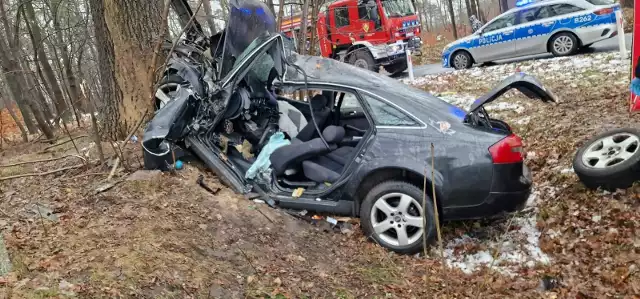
(610, 160)
(461, 60)
(392, 215)
(563, 44)
(363, 59)
(396, 67)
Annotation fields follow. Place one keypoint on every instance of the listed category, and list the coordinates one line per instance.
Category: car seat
(321, 114)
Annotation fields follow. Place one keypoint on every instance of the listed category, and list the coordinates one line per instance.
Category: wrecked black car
(316, 134)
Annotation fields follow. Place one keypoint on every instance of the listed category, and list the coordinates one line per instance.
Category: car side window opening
(545, 12)
(341, 15)
(563, 9)
(501, 23)
(385, 114)
(529, 15)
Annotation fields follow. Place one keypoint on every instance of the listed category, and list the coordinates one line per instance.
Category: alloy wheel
(611, 150)
(397, 219)
(460, 61)
(165, 93)
(563, 44)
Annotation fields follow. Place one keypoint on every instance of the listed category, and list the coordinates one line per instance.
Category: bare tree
(453, 19)
(135, 28)
(206, 4)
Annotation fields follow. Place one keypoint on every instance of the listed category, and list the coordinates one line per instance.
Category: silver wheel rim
(611, 150)
(165, 93)
(361, 63)
(460, 61)
(396, 219)
(563, 44)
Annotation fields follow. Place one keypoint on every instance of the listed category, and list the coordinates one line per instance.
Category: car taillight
(507, 150)
(603, 11)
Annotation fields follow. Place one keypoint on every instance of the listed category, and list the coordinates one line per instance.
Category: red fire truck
(365, 33)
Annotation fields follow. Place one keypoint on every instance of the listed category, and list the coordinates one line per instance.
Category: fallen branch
(435, 204)
(40, 173)
(43, 160)
(61, 143)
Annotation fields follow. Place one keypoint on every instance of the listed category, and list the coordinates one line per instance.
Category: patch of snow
(513, 249)
(517, 248)
(567, 170)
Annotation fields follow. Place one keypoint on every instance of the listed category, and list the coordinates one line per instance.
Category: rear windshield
(601, 2)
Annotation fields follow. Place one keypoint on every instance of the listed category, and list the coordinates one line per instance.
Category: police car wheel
(461, 60)
(610, 160)
(563, 44)
(363, 59)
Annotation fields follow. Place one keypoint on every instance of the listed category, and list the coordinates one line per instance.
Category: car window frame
(515, 19)
(297, 86)
(335, 19)
(553, 7)
(519, 16)
(417, 123)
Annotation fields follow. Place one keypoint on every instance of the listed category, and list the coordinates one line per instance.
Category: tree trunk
(72, 83)
(11, 68)
(23, 131)
(280, 13)
(135, 27)
(453, 19)
(271, 7)
(474, 8)
(41, 56)
(627, 3)
(206, 4)
(467, 4)
(303, 27)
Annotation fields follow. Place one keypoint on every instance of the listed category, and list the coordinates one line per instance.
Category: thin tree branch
(40, 173)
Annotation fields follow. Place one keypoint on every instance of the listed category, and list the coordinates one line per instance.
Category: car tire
(363, 59)
(397, 67)
(563, 44)
(461, 60)
(610, 160)
(167, 85)
(373, 217)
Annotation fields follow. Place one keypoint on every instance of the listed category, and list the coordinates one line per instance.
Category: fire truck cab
(367, 33)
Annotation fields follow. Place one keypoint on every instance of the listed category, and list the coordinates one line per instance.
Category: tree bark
(15, 81)
(111, 94)
(474, 8)
(135, 27)
(280, 13)
(206, 4)
(467, 4)
(23, 131)
(453, 19)
(303, 28)
(41, 56)
(72, 83)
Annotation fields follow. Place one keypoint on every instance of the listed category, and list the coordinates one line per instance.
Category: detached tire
(563, 44)
(391, 215)
(610, 160)
(363, 59)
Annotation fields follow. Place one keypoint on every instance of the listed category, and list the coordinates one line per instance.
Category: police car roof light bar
(521, 3)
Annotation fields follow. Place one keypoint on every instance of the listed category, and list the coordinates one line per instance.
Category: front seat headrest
(318, 102)
(333, 134)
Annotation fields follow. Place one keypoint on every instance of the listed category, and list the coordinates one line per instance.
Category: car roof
(328, 71)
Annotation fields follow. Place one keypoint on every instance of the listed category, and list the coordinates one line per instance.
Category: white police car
(556, 26)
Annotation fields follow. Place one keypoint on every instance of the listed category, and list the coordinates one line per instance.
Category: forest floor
(160, 235)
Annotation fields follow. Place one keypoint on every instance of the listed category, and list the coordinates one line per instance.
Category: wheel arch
(357, 47)
(379, 175)
(563, 30)
(454, 52)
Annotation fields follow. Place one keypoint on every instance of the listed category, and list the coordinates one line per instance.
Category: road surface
(607, 45)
